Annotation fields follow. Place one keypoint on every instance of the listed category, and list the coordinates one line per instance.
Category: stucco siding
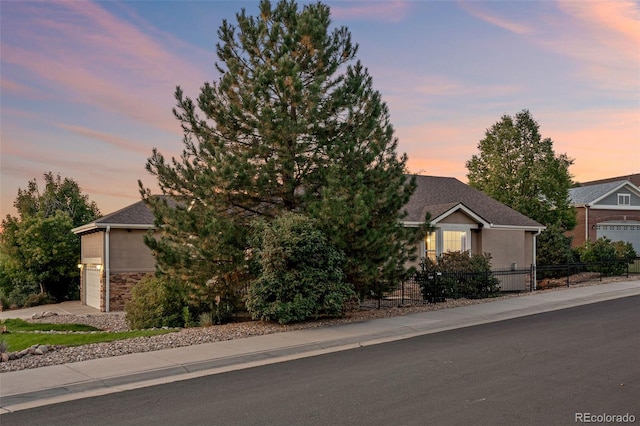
(505, 246)
(128, 253)
(92, 245)
(459, 218)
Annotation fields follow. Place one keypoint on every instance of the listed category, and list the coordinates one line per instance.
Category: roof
(438, 195)
(593, 193)
(633, 178)
(135, 216)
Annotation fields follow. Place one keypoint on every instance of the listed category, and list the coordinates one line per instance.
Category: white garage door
(621, 231)
(92, 280)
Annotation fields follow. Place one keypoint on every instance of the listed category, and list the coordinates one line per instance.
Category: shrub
(299, 272)
(37, 300)
(606, 256)
(553, 248)
(155, 302)
(458, 274)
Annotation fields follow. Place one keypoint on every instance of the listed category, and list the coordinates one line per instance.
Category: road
(540, 369)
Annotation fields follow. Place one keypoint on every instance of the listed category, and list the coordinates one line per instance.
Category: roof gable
(437, 194)
(594, 194)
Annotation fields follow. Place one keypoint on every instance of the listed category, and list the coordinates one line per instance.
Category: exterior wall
(120, 286)
(128, 253)
(476, 241)
(92, 245)
(506, 247)
(596, 216)
(612, 199)
(459, 218)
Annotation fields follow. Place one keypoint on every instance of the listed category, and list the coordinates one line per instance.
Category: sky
(87, 86)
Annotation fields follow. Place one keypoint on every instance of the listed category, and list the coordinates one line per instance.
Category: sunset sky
(87, 87)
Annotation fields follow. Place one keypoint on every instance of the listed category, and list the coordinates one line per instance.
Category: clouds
(87, 87)
(385, 11)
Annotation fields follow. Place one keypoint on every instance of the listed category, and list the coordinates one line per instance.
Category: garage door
(92, 280)
(628, 231)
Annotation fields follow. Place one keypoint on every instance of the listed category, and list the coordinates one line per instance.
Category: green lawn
(21, 334)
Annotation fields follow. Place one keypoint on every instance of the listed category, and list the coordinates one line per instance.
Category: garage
(628, 231)
(92, 280)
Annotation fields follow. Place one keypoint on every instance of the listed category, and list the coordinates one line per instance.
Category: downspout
(106, 268)
(586, 223)
(535, 249)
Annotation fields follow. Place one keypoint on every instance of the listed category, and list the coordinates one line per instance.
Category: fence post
(532, 277)
(568, 273)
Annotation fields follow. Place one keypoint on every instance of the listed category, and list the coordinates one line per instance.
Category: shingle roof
(135, 214)
(633, 178)
(587, 194)
(433, 194)
(438, 194)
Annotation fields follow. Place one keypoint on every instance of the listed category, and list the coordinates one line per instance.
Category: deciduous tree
(39, 251)
(519, 168)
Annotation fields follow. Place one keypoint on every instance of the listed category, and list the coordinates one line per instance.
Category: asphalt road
(536, 370)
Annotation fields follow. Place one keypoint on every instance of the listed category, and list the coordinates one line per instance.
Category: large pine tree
(292, 124)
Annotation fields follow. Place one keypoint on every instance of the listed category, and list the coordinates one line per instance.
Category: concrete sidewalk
(47, 385)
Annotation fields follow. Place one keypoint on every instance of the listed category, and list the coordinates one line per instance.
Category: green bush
(155, 302)
(457, 274)
(299, 272)
(606, 256)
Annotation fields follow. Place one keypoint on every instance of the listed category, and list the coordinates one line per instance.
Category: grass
(21, 334)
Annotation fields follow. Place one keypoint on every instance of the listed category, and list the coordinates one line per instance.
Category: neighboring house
(114, 256)
(467, 219)
(607, 208)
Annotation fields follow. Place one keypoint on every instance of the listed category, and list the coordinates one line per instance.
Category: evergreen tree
(292, 124)
(519, 168)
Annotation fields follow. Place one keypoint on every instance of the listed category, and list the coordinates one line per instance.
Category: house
(607, 208)
(114, 256)
(467, 219)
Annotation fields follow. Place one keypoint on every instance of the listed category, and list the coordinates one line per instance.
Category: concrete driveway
(73, 307)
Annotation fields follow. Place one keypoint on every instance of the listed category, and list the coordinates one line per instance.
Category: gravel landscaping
(198, 335)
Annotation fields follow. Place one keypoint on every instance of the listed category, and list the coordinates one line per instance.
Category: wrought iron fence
(435, 287)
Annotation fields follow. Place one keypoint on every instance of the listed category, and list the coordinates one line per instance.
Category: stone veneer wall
(120, 286)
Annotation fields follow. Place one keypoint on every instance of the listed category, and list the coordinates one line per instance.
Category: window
(430, 246)
(442, 241)
(454, 241)
(624, 199)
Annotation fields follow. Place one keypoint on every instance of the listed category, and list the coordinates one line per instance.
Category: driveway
(73, 307)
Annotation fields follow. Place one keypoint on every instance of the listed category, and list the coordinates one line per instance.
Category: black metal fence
(434, 287)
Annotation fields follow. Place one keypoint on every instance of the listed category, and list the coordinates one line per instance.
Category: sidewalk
(47, 385)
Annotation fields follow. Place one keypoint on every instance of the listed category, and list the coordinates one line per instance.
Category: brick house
(607, 208)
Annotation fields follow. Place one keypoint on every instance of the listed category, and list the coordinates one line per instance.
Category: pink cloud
(603, 38)
(107, 138)
(494, 19)
(88, 56)
(387, 11)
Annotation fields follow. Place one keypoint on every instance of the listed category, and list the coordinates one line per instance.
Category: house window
(430, 246)
(454, 241)
(624, 199)
(445, 240)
